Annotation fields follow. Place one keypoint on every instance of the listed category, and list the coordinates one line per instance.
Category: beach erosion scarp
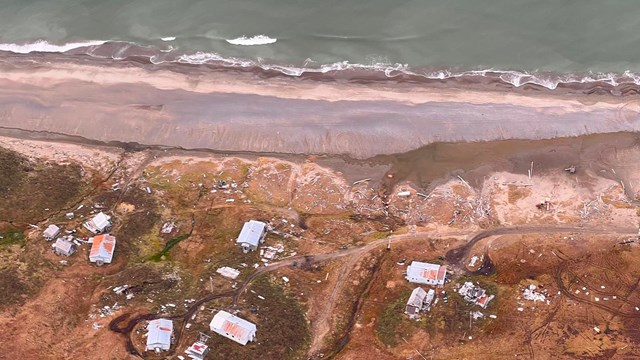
(240, 112)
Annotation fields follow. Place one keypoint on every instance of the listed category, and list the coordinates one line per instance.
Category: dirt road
(454, 257)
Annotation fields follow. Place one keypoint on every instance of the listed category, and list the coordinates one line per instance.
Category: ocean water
(542, 42)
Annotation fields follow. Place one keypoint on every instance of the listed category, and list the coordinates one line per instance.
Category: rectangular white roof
(251, 233)
(417, 297)
(159, 334)
(233, 327)
(64, 245)
(51, 231)
(426, 273)
(98, 223)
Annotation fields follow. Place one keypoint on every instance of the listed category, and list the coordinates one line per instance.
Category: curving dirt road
(454, 256)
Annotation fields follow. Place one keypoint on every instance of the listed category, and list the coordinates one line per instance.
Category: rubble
(475, 295)
(530, 293)
(168, 227)
(228, 272)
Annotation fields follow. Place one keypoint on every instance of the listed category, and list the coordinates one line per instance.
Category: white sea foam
(44, 46)
(168, 38)
(548, 80)
(516, 78)
(254, 40)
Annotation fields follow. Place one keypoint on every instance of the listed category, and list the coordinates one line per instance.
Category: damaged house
(426, 273)
(99, 224)
(475, 295)
(251, 235)
(418, 301)
(233, 327)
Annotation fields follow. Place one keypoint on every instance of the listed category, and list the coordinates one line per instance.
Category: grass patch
(11, 237)
(393, 315)
(162, 255)
(30, 191)
(283, 332)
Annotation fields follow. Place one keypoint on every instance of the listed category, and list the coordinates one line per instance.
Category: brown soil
(345, 292)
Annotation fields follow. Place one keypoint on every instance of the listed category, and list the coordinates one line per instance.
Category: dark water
(521, 41)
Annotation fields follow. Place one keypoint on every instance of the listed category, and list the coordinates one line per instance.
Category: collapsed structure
(102, 249)
(233, 327)
(99, 224)
(426, 273)
(159, 335)
(251, 235)
(475, 295)
(418, 301)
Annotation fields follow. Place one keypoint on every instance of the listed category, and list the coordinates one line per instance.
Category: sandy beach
(228, 111)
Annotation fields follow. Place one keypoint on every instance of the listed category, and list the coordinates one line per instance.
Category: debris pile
(530, 293)
(228, 272)
(269, 253)
(168, 227)
(475, 295)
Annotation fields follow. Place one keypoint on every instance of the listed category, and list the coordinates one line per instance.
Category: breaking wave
(547, 80)
(254, 40)
(44, 46)
(378, 69)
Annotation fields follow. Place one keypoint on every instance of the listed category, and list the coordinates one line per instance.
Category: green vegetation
(283, 332)
(30, 191)
(11, 237)
(162, 255)
(389, 322)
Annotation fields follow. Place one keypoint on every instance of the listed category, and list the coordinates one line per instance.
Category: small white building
(197, 351)
(102, 249)
(418, 301)
(233, 327)
(415, 302)
(99, 224)
(64, 247)
(426, 273)
(252, 234)
(159, 335)
(51, 232)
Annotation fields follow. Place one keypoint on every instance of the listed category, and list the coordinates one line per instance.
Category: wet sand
(242, 113)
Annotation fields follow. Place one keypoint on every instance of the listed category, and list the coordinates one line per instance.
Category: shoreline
(240, 112)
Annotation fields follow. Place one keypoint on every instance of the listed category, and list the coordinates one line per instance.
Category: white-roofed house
(197, 351)
(251, 235)
(415, 302)
(233, 327)
(99, 223)
(64, 247)
(159, 335)
(426, 273)
(51, 232)
(102, 249)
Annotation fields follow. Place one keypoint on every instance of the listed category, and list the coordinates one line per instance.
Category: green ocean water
(565, 40)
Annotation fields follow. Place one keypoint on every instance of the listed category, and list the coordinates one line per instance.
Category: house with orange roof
(102, 249)
(426, 273)
(233, 327)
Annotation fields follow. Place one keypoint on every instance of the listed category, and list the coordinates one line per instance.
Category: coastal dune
(226, 111)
